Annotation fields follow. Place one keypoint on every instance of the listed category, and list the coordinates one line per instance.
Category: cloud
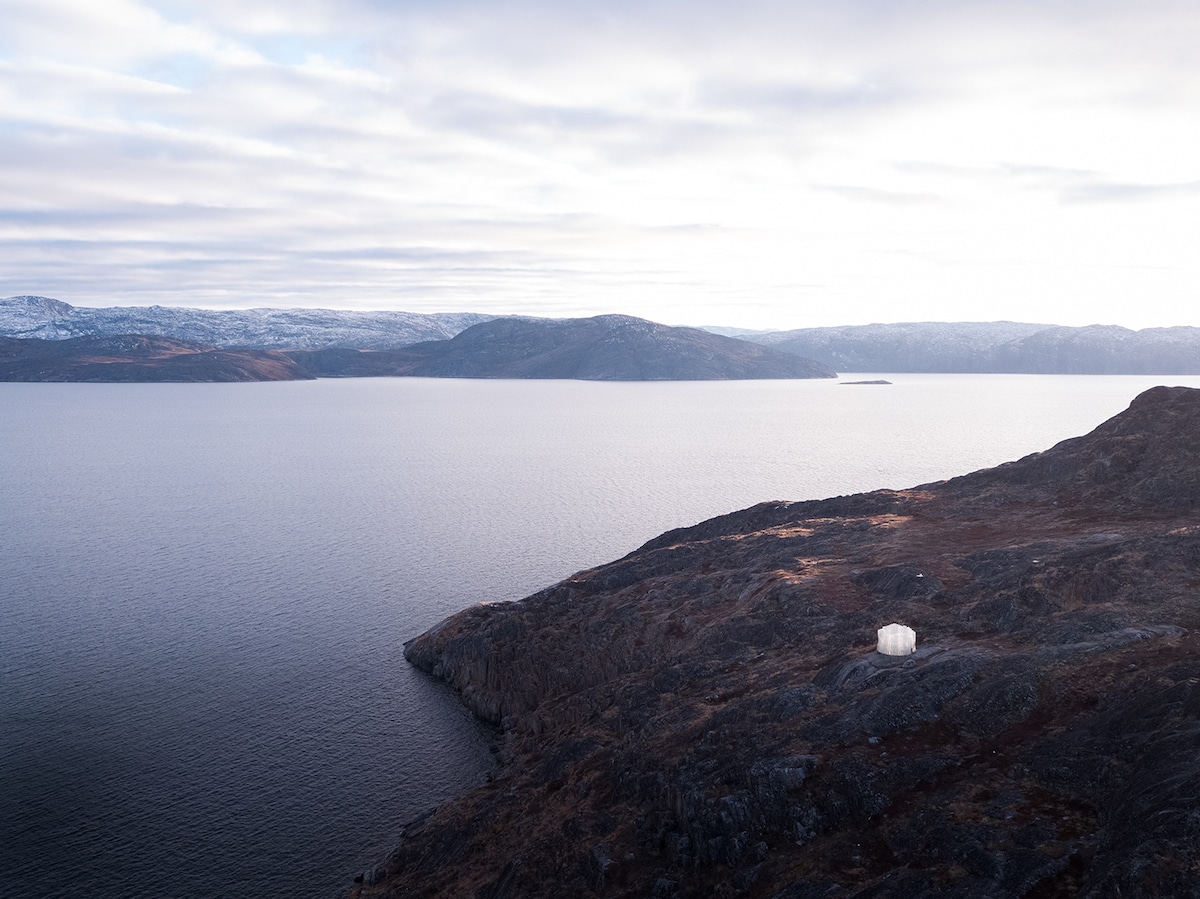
(874, 195)
(365, 152)
(118, 33)
(1108, 192)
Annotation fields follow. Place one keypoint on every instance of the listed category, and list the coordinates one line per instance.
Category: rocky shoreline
(707, 716)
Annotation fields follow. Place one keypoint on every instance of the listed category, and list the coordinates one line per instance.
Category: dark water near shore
(205, 589)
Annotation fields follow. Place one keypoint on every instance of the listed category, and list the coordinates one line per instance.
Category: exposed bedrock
(708, 717)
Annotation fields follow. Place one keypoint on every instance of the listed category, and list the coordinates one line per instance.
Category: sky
(756, 164)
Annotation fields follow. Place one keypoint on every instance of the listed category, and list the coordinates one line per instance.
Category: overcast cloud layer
(758, 164)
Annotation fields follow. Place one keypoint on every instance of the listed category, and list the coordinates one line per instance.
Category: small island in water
(709, 716)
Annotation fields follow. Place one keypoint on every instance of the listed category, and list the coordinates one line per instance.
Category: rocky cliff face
(707, 716)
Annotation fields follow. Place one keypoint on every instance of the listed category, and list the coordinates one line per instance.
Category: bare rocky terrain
(708, 717)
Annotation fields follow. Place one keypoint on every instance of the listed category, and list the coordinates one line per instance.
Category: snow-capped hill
(50, 319)
(27, 316)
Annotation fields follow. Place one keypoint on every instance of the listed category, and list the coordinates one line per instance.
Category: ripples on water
(205, 589)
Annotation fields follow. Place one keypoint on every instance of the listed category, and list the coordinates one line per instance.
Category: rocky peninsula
(708, 717)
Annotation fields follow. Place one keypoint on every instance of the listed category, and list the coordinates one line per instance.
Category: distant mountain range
(604, 348)
(613, 347)
(1006, 347)
(262, 329)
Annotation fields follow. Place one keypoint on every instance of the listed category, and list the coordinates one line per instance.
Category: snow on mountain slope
(50, 319)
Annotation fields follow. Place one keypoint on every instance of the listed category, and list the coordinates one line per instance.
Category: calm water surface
(205, 589)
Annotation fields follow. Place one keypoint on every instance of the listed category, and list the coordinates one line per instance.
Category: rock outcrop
(707, 716)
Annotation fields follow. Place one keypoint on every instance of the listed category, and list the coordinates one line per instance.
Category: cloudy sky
(758, 164)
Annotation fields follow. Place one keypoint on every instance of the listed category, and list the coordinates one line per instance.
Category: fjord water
(205, 589)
